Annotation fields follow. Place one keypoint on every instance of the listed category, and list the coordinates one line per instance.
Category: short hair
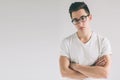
(77, 6)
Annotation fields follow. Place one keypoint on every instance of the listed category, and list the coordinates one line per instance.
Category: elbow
(63, 73)
(101, 74)
(104, 75)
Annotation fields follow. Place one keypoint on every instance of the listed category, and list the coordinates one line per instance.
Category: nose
(80, 24)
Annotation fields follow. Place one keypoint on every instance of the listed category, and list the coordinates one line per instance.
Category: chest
(85, 54)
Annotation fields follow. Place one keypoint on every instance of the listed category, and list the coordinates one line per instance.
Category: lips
(82, 27)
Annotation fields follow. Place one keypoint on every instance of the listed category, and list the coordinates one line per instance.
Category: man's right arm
(66, 71)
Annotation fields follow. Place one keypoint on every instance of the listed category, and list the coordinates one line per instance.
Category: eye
(83, 18)
(74, 20)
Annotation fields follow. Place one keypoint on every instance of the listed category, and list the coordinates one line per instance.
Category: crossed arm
(68, 72)
(76, 71)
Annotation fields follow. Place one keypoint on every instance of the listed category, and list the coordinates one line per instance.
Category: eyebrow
(79, 18)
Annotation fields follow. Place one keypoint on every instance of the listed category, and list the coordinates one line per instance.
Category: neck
(84, 35)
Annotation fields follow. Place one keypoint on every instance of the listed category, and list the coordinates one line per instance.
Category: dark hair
(77, 6)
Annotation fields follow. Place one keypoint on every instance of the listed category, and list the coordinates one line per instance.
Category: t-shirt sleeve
(106, 47)
(64, 50)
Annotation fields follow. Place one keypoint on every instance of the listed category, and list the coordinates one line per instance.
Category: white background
(31, 32)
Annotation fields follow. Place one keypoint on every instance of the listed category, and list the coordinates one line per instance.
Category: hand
(73, 65)
(101, 61)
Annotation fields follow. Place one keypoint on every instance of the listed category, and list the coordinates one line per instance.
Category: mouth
(82, 27)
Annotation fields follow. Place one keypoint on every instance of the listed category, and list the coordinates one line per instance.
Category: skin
(83, 28)
(78, 71)
(100, 70)
(68, 72)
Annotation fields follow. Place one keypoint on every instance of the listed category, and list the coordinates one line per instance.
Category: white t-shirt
(85, 53)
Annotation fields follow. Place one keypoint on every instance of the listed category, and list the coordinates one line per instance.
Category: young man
(85, 55)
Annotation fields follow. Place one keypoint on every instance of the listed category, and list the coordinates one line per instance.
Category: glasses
(81, 19)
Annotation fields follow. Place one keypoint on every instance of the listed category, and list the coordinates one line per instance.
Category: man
(85, 55)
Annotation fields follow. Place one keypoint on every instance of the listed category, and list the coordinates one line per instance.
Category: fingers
(72, 64)
(101, 61)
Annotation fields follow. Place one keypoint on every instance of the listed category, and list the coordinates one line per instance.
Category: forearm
(69, 73)
(92, 71)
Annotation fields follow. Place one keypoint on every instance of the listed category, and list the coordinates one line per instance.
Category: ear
(90, 17)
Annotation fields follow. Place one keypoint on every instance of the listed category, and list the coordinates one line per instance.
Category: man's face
(81, 19)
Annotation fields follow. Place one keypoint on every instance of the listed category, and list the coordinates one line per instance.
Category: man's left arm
(99, 70)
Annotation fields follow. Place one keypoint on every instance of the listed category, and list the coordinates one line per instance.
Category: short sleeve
(106, 47)
(64, 48)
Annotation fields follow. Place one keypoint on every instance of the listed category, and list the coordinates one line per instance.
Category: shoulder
(104, 43)
(69, 38)
(101, 38)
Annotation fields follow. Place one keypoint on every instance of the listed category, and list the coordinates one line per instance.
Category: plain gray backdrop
(31, 32)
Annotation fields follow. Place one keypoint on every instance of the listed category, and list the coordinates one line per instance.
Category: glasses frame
(80, 19)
